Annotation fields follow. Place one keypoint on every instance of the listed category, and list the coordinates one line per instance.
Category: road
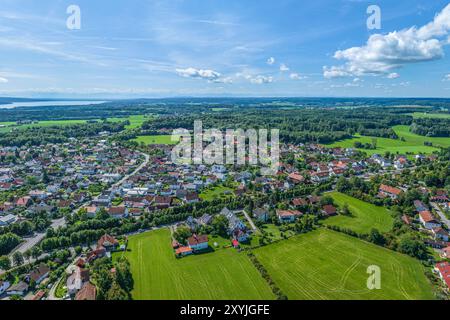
(442, 215)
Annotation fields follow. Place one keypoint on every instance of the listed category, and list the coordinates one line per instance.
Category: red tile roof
(87, 292)
(444, 270)
(195, 240)
(390, 190)
(427, 216)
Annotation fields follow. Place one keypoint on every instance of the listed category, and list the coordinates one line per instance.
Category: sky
(167, 48)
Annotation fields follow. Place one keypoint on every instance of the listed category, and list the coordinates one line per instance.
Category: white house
(428, 221)
(4, 285)
(7, 220)
(198, 242)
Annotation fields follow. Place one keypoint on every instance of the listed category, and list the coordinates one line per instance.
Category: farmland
(223, 275)
(420, 115)
(365, 216)
(135, 122)
(328, 265)
(153, 140)
(412, 143)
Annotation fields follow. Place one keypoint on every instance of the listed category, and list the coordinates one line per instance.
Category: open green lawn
(365, 216)
(136, 121)
(216, 192)
(413, 143)
(150, 140)
(220, 275)
(324, 264)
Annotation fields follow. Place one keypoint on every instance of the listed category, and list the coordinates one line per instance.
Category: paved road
(442, 215)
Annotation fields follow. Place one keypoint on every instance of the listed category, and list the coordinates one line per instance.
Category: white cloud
(296, 76)
(284, 67)
(271, 61)
(3, 80)
(383, 53)
(207, 74)
(261, 79)
(446, 77)
(393, 75)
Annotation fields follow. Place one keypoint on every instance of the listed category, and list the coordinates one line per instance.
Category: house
(318, 177)
(298, 202)
(387, 191)
(198, 242)
(234, 222)
(100, 252)
(288, 215)
(118, 212)
(24, 202)
(192, 197)
(240, 235)
(446, 252)
(440, 234)
(4, 285)
(38, 296)
(38, 274)
(296, 178)
(261, 214)
(420, 206)
(235, 243)
(329, 210)
(76, 280)
(7, 220)
(108, 242)
(428, 221)
(183, 251)
(87, 292)
(92, 211)
(406, 219)
(20, 289)
(443, 270)
(204, 220)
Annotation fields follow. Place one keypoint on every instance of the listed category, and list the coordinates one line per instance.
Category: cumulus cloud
(3, 80)
(284, 68)
(296, 76)
(261, 79)
(210, 75)
(271, 61)
(384, 53)
(447, 77)
(393, 75)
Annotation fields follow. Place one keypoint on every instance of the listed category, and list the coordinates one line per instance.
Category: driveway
(442, 215)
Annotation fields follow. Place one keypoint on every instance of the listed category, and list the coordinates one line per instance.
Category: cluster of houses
(37, 276)
(67, 170)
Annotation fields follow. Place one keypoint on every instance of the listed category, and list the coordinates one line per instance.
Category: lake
(49, 104)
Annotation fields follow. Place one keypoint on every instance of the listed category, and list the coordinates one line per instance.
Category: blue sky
(168, 48)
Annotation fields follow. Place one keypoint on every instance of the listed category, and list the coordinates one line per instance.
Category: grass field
(324, 265)
(413, 143)
(222, 275)
(217, 192)
(365, 216)
(135, 122)
(420, 115)
(150, 140)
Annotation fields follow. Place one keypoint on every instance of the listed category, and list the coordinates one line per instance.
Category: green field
(150, 140)
(413, 143)
(221, 275)
(420, 115)
(324, 265)
(216, 192)
(365, 216)
(135, 122)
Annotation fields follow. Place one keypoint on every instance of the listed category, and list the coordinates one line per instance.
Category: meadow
(365, 216)
(420, 115)
(135, 122)
(157, 139)
(325, 264)
(220, 275)
(218, 192)
(412, 143)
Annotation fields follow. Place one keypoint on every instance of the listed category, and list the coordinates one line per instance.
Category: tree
(220, 225)
(182, 233)
(346, 210)
(376, 237)
(124, 276)
(36, 252)
(17, 258)
(5, 263)
(116, 292)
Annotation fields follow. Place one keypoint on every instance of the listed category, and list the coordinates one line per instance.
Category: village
(44, 187)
